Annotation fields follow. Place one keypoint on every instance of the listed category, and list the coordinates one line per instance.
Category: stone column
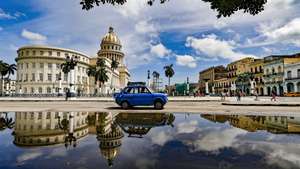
(206, 88)
(60, 90)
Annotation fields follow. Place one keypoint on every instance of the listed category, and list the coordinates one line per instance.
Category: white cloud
(1, 28)
(161, 137)
(215, 48)
(4, 15)
(33, 36)
(187, 127)
(160, 50)
(186, 60)
(218, 139)
(28, 156)
(288, 33)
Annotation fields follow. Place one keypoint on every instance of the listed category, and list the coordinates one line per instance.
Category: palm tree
(3, 72)
(6, 122)
(10, 71)
(101, 73)
(114, 65)
(155, 75)
(169, 72)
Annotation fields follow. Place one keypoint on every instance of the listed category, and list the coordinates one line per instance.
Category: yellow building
(256, 68)
(236, 68)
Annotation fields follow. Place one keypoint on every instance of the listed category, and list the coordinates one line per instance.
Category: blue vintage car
(140, 95)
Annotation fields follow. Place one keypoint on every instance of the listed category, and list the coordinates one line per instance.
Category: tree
(244, 79)
(114, 65)
(224, 8)
(10, 71)
(169, 72)
(101, 72)
(3, 72)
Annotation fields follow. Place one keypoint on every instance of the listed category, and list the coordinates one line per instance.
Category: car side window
(144, 90)
(127, 90)
(133, 90)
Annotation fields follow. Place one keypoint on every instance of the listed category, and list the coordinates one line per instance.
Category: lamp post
(72, 62)
(68, 127)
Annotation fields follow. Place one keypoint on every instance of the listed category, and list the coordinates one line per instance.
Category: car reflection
(272, 124)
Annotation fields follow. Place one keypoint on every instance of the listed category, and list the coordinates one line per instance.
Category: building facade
(235, 69)
(292, 77)
(209, 76)
(256, 69)
(39, 69)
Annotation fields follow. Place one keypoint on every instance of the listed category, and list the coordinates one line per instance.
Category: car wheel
(125, 105)
(158, 105)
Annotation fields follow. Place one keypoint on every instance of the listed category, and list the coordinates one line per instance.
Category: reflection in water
(5, 121)
(49, 128)
(142, 140)
(272, 124)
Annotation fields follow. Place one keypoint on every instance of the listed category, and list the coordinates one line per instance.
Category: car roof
(137, 86)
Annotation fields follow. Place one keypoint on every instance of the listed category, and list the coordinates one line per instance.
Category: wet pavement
(83, 140)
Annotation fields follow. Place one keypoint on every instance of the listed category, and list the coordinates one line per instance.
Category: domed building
(39, 69)
(111, 49)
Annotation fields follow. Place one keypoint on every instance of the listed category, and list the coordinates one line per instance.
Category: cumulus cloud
(187, 127)
(186, 60)
(213, 47)
(160, 138)
(160, 50)
(218, 139)
(288, 33)
(33, 36)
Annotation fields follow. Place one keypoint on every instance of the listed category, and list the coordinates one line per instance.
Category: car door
(144, 97)
(128, 95)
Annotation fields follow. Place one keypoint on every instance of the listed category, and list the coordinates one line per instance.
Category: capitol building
(39, 69)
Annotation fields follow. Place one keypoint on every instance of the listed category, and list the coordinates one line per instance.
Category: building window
(48, 90)
(50, 53)
(33, 77)
(41, 77)
(49, 77)
(48, 115)
(289, 74)
(27, 65)
(58, 53)
(49, 65)
(57, 77)
(40, 90)
(41, 65)
(57, 66)
(33, 65)
(33, 53)
(40, 115)
(56, 115)
(66, 77)
(56, 89)
(41, 53)
(32, 90)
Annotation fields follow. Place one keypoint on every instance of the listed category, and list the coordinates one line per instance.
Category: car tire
(125, 105)
(158, 105)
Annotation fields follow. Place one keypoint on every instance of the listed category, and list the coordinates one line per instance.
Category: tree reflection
(6, 122)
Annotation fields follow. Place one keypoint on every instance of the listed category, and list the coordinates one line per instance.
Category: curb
(262, 104)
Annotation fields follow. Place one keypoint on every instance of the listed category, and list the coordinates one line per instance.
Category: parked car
(140, 95)
(292, 94)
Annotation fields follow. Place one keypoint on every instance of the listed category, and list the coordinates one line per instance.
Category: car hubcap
(158, 105)
(125, 105)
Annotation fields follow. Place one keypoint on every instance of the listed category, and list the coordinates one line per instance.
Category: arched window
(48, 90)
(40, 90)
(273, 70)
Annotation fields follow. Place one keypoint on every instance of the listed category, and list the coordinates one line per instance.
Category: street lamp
(68, 127)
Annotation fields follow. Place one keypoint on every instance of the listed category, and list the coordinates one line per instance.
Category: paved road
(172, 107)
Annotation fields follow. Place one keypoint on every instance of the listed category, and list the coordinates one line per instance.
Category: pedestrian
(256, 96)
(67, 94)
(273, 96)
(239, 96)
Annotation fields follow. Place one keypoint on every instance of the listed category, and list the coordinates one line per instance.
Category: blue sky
(184, 33)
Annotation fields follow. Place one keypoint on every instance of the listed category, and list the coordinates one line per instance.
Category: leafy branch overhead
(224, 8)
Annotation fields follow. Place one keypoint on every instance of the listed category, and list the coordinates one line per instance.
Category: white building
(292, 77)
(39, 69)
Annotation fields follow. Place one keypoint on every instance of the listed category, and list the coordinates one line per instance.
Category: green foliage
(114, 64)
(224, 8)
(155, 74)
(6, 122)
